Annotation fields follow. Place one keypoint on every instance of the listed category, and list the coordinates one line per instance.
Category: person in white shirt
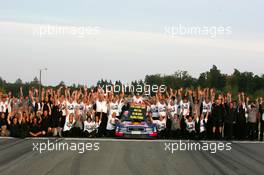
(162, 108)
(190, 127)
(206, 106)
(111, 124)
(114, 106)
(137, 98)
(69, 124)
(101, 111)
(71, 105)
(185, 107)
(161, 126)
(89, 129)
(153, 108)
(4, 104)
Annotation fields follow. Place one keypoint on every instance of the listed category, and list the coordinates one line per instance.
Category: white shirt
(173, 109)
(185, 108)
(154, 109)
(190, 126)
(161, 125)
(89, 126)
(207, 107)
(161, 109)
(111, 123)
(3, 106)
(71, 106)
(137, 100)
(101, 106)
(63, 108)
(114, 107)
(202, 125)
(68, 126)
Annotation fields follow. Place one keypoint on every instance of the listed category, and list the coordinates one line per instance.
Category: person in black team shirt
(24, 128)
(229, 120)
(35, 129)
(55, 117)
(241, 123)
(46, 123)
(3, 125)
(217, 117)
(14, 126)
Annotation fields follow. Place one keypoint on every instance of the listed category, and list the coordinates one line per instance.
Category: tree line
(238, 81)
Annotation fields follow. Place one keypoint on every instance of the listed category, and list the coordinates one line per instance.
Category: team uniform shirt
(202, 125)
(206, 107)
(120, 106)
(101, 106)
(190, 126)
(63, 108)
(185, 108)
(71, 106)
(111, 123)
(161, 125)
(161, 109)
(89, 126)
(137, 100)
(114, 107)
(154, 109)
(3, 106)
(88, 107)
(173, 109)
(68, 126)
(81, 107)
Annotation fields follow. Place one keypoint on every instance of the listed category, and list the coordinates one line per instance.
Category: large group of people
(178, 114)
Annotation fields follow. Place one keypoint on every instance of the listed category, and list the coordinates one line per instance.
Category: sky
(126, 40)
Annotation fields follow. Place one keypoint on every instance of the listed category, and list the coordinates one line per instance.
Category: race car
(134, 124)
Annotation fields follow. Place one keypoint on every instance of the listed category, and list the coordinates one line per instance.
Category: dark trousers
(110, 133)
(252, 131)
(241, 130)
(103, 124)
(261, 130)
(168, 129)
(228, 131)
(176, 134)
(89, 134)
(190, 135)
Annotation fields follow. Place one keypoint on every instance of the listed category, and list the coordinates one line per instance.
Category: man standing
(230, 117)
(252, 120)
(101, 111)
(217, 117)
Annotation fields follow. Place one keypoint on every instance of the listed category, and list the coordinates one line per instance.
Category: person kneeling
(190, 127)
(89, 128)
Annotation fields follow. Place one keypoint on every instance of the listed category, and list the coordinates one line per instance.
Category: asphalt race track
(126, 157)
